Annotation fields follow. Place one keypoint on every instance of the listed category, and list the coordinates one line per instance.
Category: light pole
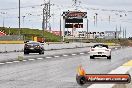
(3, 13)
(23, 20)
(19, 17)
(3, 22)
(43, 23)
(87, 27)
(109, 19)
(96, 18)
(60, 28)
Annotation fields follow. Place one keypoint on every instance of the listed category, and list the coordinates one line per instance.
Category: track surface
(57, 70)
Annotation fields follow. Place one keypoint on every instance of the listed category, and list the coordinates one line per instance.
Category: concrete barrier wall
(11, 47)
(20, 47)
(124, 69)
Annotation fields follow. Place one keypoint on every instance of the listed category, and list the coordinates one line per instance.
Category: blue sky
(91, 6)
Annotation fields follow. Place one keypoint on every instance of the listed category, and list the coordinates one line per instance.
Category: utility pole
(19, 17)
(3, 22)
(23, 20)
(109, 19)
(116, 33)
(120, 31)
(125, 32)
(46, 15)
(60, 28)
(43, 23)
(3, 15)
(96, 18)
(87, 27)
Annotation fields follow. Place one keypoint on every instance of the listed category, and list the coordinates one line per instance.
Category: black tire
(109, 57)
(81, 80)
(91, 57)
(41, 52)
(26, 53)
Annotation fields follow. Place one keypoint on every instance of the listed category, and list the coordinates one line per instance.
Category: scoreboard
(74, 19)
(74, 14)
(73, 25)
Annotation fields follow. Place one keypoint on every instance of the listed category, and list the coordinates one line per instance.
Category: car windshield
(100, 46)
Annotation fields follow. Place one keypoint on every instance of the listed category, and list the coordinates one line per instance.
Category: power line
(32, 6)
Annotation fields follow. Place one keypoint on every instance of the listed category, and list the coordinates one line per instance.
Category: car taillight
(92, 49)
(26, 46)
(106, 50)
(38, 46)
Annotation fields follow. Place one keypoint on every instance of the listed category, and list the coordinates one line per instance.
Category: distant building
(80, 34)
(56, 33)
(112, 34)
(94, 35)
(91, 35)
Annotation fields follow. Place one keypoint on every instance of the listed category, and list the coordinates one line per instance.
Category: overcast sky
(91, 6)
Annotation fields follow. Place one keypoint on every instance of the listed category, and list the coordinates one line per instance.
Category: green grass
(28, 33)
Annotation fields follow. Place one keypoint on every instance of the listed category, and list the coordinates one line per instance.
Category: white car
(100, 50)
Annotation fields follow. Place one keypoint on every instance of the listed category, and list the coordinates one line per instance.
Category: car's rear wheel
(91, 57)
(41, 52)
(26, 52)
(109, 57)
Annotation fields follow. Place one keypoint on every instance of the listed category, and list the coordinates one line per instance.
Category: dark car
(33, 47)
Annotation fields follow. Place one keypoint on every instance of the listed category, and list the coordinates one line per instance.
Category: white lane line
(56, 56)
(65, 55)
(48, 57)
(40, 58)
(24, 60)
(81, 53)
(8, 62)
(31, 59)
(16, 61)
(2, 63)
(73, 54)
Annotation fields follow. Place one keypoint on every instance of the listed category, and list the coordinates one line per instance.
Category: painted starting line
(48, 57)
